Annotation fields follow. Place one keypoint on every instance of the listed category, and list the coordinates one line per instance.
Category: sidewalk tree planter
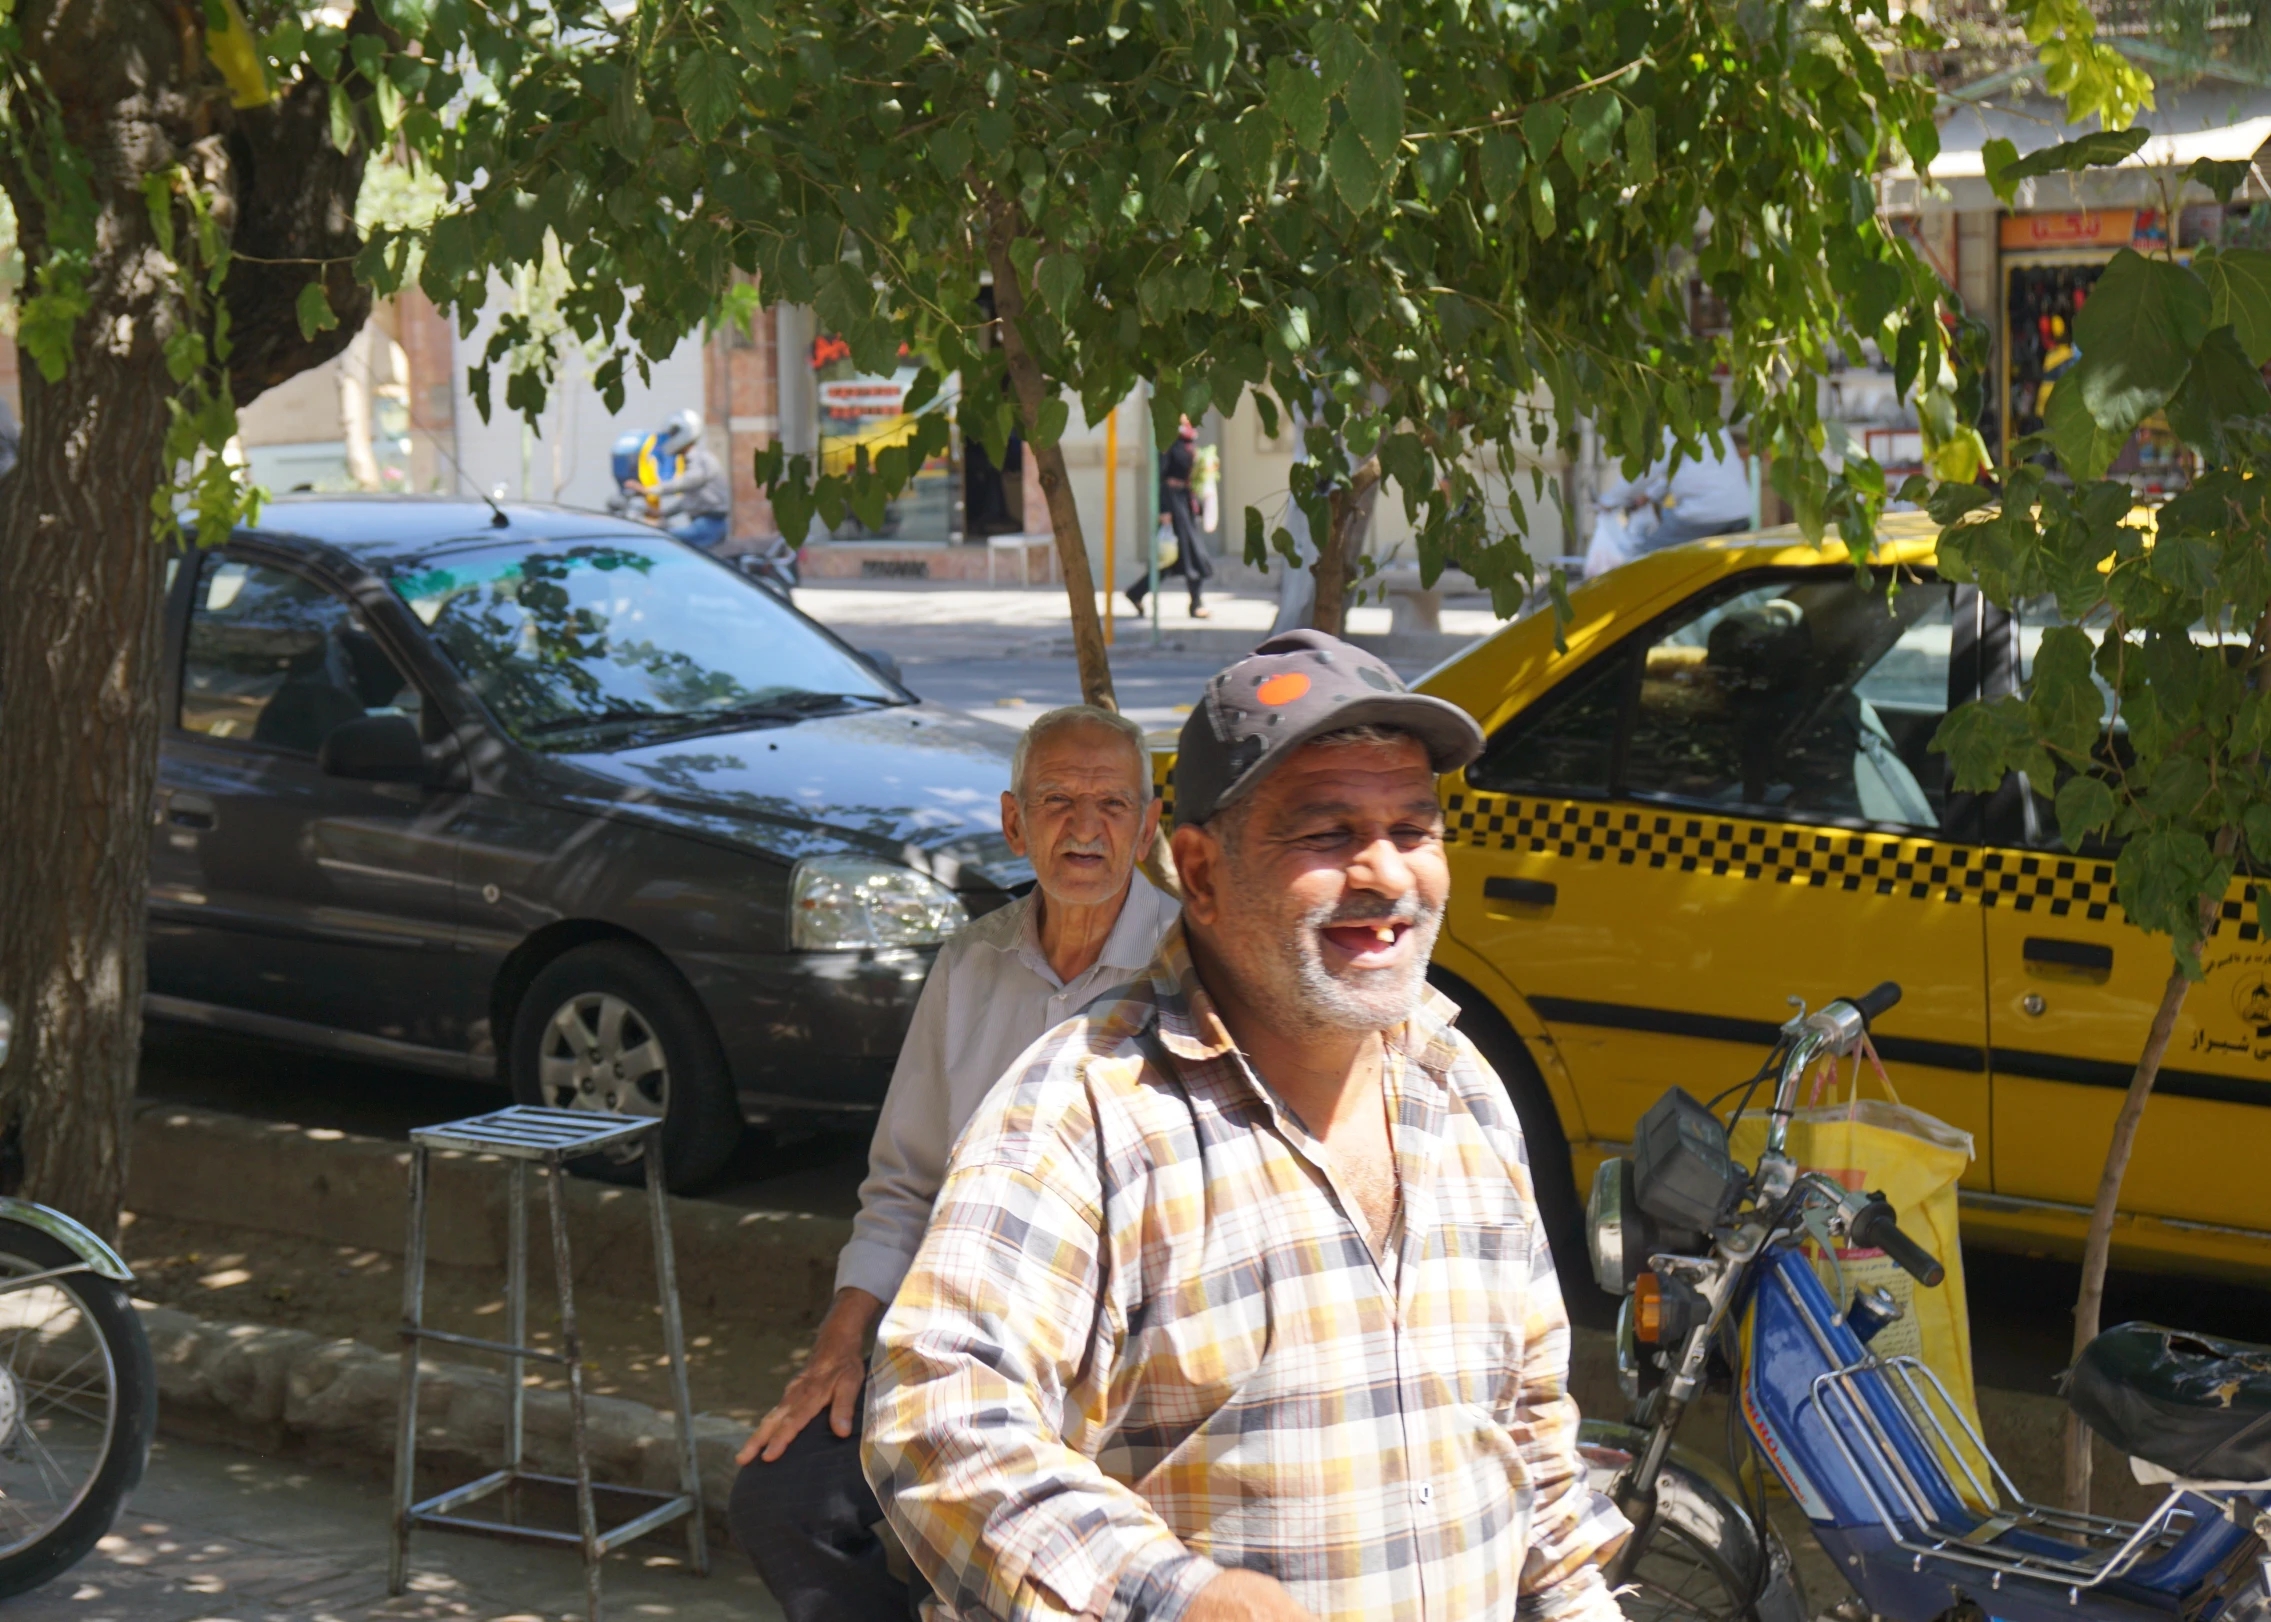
(185, 215)
(1439, 230)
(2148, 710)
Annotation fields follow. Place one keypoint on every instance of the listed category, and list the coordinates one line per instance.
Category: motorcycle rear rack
(2103, 1548)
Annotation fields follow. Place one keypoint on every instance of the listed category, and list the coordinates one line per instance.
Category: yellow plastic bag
(1914, 1160)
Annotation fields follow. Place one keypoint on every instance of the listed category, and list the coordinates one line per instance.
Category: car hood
(916, 784)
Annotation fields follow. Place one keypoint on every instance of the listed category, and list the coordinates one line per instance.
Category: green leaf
(1996, 158)
(1922, 138)
(1339, 51)
(2085, 449)
(709, 91)
(2137, 334)
(1058, 281)
(314, 310)
(1593, 121)
(2222, 384)
(1542, 126)
(2096, 150)
(1375, 102)
(2257, 821)
(2223, 176)
(629, 124)
(2262, 903)
(2063, 701)
(2085, 806)
(1055, 413)
(950, 151)
(1503, 161)
(1640, 147)
(1541, 203)
(1257, 547)
(1355, 171)
(2239, 292)
(342, 124)
(1297, 96)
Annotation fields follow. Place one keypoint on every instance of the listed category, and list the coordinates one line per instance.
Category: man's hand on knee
(1245, 1596)
(831, 1378)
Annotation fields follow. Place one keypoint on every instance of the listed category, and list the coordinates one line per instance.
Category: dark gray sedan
(551, 798)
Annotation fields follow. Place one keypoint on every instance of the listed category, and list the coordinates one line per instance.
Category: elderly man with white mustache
(1235, 1305)
(1080, 808)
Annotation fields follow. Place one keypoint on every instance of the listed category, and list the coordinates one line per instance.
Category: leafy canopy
(2146, 715)
(1437, 230)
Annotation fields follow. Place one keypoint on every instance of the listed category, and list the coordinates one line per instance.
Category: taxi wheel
(1551, 1174)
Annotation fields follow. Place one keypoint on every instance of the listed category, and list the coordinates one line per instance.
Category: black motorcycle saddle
(2194, 1405)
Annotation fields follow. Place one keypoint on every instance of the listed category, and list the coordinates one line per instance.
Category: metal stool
(549, 1137)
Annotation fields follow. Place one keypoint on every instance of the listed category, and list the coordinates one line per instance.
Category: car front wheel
(611, 1028)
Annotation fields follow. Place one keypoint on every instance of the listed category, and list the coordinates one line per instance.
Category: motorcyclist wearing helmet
(696, 500)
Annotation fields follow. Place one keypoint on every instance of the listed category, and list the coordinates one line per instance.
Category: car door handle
(2067, 954)
(1523, 892)
(189, 811)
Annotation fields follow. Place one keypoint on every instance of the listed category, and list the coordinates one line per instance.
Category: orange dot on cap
(1282, 689)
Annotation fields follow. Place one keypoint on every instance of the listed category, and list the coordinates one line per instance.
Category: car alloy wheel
(600, 1053)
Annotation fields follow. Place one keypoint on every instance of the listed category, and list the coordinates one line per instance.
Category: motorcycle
(78, 1390)
(1894, 1480)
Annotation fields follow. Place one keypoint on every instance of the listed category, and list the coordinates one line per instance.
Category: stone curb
(199, 1165)
(285, 1391)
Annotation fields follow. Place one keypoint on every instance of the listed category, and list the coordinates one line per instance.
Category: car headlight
(837, 902)
(1605, 1232)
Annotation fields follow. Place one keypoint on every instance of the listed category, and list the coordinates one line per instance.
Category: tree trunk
(80, 582)
(2089, 1305)
(81, 576)
(1348, 508)
(1033, 392)
(2091, 1302)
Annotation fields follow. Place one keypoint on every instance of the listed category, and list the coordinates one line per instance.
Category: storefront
(2027, 269)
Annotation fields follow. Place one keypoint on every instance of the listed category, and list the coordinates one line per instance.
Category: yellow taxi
(1723, 795)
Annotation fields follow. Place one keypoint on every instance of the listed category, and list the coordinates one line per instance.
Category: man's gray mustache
(1360, 910)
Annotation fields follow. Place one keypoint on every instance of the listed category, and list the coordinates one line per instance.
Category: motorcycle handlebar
(1873, 1004)
(1874, 1227)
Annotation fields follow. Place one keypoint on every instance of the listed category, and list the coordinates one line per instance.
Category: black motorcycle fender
(1707, 1502)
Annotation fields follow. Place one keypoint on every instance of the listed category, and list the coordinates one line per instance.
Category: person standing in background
(1705, 495)
(1175, 504)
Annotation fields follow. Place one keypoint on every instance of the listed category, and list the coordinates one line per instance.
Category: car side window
(274, 659)
(1566, 743)
(1815, 696)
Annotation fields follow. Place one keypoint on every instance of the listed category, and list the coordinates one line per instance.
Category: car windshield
(586, 643)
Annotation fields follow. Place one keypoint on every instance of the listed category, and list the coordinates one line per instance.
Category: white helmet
(679, 433)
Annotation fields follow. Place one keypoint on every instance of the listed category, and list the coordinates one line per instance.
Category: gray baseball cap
(1297, 686)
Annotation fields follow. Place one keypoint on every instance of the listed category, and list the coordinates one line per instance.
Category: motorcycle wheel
(78, 1406)
(1702, 1554)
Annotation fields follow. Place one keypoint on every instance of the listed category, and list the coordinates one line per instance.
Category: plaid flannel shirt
(1144, 1341)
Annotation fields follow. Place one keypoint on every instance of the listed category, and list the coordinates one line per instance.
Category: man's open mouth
(1369, 944)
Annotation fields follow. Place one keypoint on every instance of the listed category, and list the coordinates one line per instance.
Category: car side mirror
(377, 748)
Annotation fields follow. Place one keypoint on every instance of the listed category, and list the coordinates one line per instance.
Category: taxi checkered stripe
(1875, 864)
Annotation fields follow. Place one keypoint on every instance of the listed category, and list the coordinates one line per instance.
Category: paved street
(216, 1534)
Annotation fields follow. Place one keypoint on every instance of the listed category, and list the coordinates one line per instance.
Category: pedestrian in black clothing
(1175, 502)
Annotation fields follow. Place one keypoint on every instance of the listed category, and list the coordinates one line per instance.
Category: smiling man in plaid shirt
(1236, 1303)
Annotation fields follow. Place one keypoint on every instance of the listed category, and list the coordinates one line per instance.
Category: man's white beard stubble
(1364, 999)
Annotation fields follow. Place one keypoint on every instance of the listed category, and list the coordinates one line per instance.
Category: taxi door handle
(189, 811)
(2067, 954)
(1523, 892)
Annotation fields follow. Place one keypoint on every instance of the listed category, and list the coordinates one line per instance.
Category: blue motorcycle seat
(2197, 1406)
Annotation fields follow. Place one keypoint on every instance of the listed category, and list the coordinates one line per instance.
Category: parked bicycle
(1894, 1480)
(78, 1393)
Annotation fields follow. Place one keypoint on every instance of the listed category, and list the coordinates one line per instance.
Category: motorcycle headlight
(838, 902)
(1607, 1237)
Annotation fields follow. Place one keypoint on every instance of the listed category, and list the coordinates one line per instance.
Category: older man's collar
(1191, 1029)
(1127, 948)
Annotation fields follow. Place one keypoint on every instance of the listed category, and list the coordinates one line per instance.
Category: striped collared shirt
(1145, 1339)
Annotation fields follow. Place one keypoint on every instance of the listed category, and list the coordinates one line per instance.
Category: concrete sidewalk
(216, 1534)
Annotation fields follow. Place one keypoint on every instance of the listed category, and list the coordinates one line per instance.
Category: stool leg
(516, 1331)
(571, 1345)
(674, 1346)
(406, 1437)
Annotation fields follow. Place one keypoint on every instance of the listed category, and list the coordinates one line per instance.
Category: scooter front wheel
(78, 1406)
